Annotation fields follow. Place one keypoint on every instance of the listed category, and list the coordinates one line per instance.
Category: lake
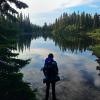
(74, 64)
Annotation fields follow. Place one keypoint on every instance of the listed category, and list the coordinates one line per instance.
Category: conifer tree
(7, 10)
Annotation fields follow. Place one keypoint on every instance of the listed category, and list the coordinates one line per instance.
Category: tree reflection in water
(76, 87)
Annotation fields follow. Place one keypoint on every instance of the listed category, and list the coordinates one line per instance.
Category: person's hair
(50, 55)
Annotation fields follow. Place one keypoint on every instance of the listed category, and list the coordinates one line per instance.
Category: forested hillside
(76, 22)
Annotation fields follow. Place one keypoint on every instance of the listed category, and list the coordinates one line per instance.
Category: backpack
(51, 72)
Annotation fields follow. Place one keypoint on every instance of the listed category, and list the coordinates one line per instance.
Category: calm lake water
(76, 66)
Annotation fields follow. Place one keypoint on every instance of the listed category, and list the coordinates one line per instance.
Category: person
(50, 71)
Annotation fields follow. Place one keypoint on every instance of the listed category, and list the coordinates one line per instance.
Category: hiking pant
(53, 90)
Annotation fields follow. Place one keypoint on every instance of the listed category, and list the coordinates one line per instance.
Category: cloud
(95, 6)
(42, 11)
(73, 3)
(50, 5)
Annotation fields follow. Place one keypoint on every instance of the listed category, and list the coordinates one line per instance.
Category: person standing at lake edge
(50, 71)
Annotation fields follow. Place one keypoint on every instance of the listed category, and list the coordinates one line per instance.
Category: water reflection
(24, 40)
(77, 65)
(72, 43)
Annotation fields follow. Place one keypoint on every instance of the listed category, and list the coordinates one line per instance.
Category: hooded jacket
(50, 69)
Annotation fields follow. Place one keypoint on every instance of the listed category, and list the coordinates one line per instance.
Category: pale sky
(41, 11)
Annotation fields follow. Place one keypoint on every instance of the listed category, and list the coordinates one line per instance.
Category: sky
(42, 11)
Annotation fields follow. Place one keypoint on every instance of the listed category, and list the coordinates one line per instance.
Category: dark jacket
(50, 70)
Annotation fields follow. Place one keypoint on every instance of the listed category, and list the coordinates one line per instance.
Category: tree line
(19, 23)
(76, 22)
